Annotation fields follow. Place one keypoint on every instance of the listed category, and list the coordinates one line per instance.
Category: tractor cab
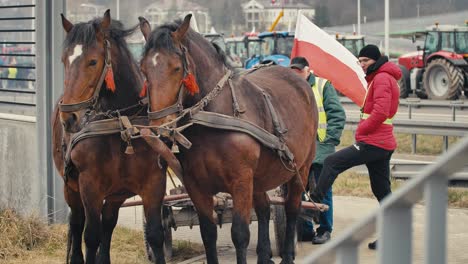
(239, 49)
(276, 47)
(216, 38)
(439, 69)
(353, 43)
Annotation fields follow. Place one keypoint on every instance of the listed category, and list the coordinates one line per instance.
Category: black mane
(127, 77)
(84, 33)
(161, 38)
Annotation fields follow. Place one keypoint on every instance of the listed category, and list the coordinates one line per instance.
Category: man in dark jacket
(374, 137)
(332, 119)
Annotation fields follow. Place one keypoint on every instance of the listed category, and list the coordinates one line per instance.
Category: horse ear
(67, 25)
(179, 34)
(106, 20)
(145, 27)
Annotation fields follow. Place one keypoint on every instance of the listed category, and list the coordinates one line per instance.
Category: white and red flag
(329, 59)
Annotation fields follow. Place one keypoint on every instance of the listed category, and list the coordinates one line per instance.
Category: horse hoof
(287, 261)
(269, 261)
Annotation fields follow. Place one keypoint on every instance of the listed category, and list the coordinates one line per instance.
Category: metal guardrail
(407, 169)
(393, 219)
(420, 127)
(412, 103)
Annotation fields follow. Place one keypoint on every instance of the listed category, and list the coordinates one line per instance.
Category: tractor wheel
(404, 82)
(443, 80)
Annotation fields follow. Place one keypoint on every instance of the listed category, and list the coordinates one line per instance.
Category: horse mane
(161, 38)
(123, 63)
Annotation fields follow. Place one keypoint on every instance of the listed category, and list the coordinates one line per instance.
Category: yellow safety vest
(388, 121)
(317, 88)
(12, 73)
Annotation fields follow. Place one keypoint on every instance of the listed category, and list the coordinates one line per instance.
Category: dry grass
(426, 144)
(351, 183)
(30, 240)
(19, 235)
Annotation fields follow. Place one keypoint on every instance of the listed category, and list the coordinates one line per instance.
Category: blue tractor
(276, 47)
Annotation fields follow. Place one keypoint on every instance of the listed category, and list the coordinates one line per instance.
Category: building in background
(260, 14)
(168, 10)
(80, 11)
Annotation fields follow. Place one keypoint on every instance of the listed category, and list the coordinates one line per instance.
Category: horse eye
(177, 69)
(92, 62)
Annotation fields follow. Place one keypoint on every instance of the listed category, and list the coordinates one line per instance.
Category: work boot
(372, 245)
(307, 236)
(321, 238)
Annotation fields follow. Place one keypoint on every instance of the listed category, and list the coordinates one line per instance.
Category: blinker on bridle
(106, 75)
(188, 81)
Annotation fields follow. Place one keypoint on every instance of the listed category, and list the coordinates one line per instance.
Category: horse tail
(69, 242)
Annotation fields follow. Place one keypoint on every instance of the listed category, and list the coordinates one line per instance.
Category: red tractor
(440, 69)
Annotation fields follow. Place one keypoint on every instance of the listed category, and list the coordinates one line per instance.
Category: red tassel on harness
(110, 79)
(190, 84)
(144, 89)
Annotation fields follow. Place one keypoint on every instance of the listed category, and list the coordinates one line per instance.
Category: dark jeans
(376, 159)
(326, 218)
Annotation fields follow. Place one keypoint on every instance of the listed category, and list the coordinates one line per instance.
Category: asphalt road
(347, 210)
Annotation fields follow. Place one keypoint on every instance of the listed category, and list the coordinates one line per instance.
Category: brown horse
(101, 77)
(227, 161)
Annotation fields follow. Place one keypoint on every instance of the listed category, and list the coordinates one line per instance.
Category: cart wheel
(167, 237)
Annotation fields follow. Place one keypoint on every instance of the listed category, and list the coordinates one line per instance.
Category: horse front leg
(76, 224)
(110, 215)
(242, 200)
(292, 208)
(154, 231)
(93, 231)
(262, 209)
(209, 232)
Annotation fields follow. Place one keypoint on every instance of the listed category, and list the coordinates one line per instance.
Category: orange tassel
(110, 80)
(190, 84)
(144, 89)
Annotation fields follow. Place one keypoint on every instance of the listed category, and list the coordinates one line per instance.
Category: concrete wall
(21, 187)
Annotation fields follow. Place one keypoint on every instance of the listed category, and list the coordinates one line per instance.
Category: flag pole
(387, 27)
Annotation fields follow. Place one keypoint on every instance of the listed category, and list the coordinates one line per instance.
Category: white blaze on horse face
(155, 59)
(77, 51)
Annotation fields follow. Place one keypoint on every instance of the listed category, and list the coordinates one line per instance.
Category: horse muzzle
(71, 122)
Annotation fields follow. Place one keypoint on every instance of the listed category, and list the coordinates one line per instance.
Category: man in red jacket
(375, 141)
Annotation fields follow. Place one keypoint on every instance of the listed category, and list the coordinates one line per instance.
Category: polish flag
(329, 59)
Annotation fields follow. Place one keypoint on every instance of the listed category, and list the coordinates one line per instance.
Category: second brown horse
(175, 58)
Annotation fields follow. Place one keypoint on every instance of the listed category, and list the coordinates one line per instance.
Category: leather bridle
(177, 107)
(91, 102)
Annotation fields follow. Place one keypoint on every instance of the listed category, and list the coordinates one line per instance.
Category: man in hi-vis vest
(331, 122)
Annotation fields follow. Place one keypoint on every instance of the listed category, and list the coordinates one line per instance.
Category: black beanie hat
(370, 51)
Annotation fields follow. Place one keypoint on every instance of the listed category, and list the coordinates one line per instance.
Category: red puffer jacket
(380, 104)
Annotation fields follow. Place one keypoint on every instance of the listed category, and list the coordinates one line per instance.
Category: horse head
(92, 53)
(167, 67)
(178, 64)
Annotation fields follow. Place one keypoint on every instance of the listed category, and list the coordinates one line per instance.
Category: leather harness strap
(225, 122)
(102, 128)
